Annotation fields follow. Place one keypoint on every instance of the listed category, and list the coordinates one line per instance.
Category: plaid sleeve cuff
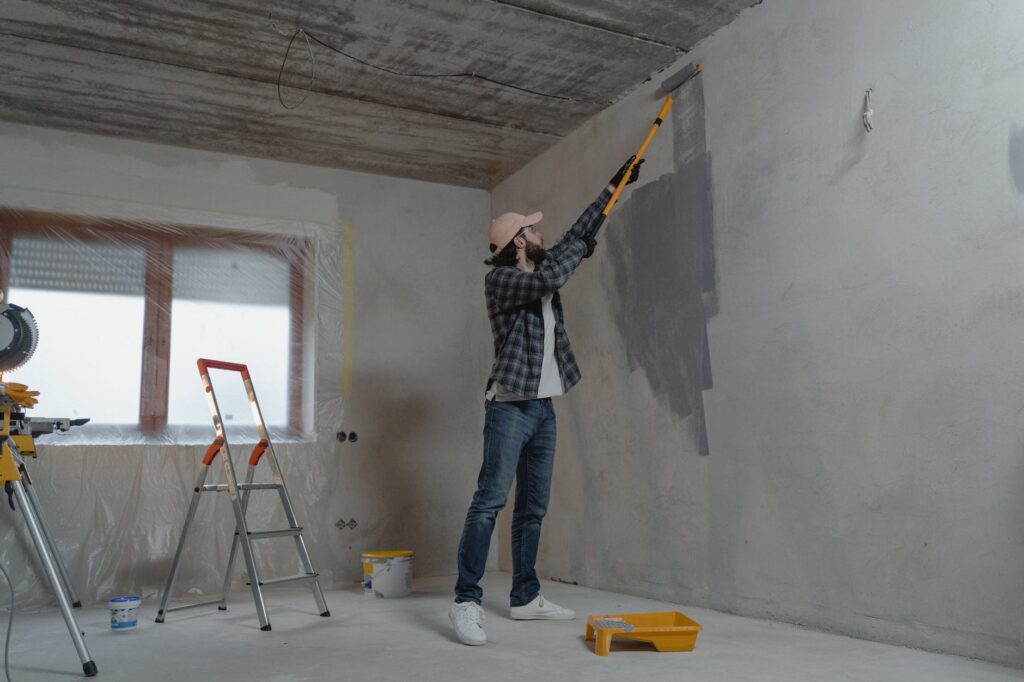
(510, 287)
(585, 222)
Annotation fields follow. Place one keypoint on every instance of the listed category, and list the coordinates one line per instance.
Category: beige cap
(503, 229)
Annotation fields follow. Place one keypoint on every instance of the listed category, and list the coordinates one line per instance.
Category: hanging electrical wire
(10, 626)
(288, 50)
(297, 31)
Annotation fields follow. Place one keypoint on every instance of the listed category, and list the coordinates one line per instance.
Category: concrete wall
(865, 468)
(419, 356)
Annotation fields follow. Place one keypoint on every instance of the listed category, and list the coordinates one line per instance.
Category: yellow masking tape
(348, 307)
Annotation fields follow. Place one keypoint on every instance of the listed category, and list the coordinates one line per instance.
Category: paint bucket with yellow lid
(387, 574)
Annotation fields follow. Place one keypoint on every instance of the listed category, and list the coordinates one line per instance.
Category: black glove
(634, 175)
(591, 243)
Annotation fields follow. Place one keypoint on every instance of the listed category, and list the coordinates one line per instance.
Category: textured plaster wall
(866, 460)
(418, 362)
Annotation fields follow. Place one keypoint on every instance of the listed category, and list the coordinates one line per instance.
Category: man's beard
(535, 253)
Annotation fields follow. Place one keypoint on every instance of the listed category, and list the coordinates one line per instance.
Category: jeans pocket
(488, 413)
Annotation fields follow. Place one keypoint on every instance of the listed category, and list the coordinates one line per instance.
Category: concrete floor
(370, 639)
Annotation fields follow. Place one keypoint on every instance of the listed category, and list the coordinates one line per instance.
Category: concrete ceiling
(204, 74)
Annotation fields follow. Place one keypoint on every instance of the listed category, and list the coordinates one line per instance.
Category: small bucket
(124, 612)
(387, 574)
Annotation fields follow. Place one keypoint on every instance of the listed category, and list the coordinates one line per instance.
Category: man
(533, 363)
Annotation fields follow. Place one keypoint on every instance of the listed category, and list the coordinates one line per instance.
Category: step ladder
(239, 493)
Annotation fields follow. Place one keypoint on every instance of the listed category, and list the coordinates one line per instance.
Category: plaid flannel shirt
(516, 313)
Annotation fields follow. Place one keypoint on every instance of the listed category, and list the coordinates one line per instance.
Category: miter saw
(19, 336)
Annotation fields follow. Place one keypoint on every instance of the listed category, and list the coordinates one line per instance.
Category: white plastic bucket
(387, 574)
(124, 612)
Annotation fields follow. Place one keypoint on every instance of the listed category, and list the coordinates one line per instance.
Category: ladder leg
(227, 574)
(42, 548)
(250, 565)
(275, 469)
(234, 545)
(57, 559)
(243, 538)
(300, 547)
(176, 564)
(318, 594)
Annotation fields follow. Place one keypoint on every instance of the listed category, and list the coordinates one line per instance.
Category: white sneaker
(541, 609)
(466, 617)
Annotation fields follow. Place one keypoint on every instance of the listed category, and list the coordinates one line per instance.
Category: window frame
(159, 241)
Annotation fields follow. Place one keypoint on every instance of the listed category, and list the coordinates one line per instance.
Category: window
(124, 311)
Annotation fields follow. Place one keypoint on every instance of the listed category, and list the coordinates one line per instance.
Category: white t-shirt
(550, 377)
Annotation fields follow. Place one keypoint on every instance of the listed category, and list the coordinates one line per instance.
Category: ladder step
(221, 487)
(301, 578)
(283, 533)
(188, 606)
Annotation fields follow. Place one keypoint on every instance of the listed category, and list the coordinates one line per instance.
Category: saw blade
(19, 336)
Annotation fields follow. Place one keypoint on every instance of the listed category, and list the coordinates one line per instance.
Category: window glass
(89, 359)
(87, 298)
(231, 306)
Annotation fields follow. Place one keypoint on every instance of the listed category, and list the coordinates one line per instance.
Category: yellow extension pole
(639, 153)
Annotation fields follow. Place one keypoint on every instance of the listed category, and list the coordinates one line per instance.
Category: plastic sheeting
(125, 308)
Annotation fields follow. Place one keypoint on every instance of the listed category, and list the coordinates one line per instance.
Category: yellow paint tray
(666, 630)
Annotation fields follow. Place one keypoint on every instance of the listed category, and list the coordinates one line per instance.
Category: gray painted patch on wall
(662, 252)
(1017, 157)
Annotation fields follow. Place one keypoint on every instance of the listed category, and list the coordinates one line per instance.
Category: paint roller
(668, 86)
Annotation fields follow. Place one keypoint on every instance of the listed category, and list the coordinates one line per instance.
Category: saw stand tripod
(17, 437)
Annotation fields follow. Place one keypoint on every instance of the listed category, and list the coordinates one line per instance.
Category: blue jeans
(519, 442)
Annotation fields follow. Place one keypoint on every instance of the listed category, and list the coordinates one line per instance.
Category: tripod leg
(35, 530)
(57, 559)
